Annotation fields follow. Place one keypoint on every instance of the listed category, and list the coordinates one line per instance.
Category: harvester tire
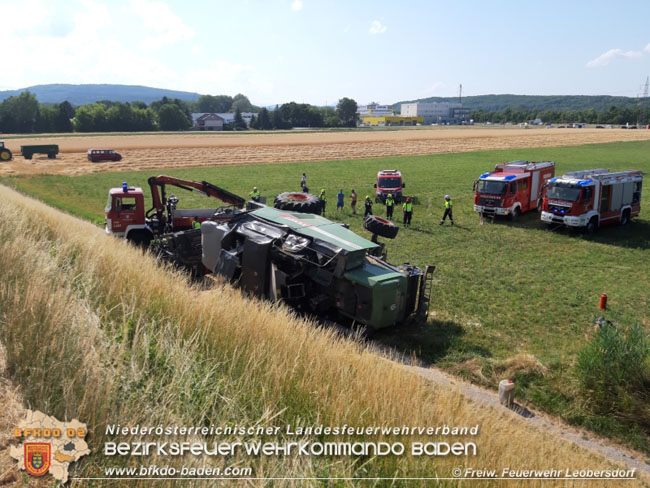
(5, 155)
(381, 227)
(298, 202)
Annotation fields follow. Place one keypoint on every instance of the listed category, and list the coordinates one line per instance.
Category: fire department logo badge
(37, 457)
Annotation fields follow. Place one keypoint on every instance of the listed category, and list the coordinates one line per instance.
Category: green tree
(278, 120)
(214, 104)
(19, 114)
(264, 121)
(64, 116)
(172, 117)
(242, 103)
(346, 110)
(239, 123)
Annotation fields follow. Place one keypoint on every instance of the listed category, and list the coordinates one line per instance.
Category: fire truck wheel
(298, 202)
(381, 227)
(592, 226)
(515, 214)
(625, 218)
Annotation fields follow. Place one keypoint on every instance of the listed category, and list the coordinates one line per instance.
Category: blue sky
(315, 52)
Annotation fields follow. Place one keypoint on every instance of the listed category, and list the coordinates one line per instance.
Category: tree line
(24, 114)
(613, 115)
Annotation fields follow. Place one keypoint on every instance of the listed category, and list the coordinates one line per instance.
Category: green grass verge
(502, 289)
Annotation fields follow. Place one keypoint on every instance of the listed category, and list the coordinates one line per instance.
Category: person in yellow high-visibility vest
(255, 194)
(448, 210)
(407, 210)
(195, 223)
(390, 205)
(323, 201)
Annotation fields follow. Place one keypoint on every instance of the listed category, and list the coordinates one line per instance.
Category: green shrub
(614, 373)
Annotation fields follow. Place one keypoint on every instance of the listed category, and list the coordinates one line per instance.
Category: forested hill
(83, 94)
(492, 103)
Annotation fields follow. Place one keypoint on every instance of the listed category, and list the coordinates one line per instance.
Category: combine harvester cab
(591, 198)
(316, 266)
(389, 181)
(512, 188)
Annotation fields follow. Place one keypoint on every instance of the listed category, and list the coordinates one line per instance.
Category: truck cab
(512, 188)
(125, 213)
(389, 181)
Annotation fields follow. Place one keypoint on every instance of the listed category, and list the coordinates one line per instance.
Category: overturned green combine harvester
(284, 254)
(316, 266)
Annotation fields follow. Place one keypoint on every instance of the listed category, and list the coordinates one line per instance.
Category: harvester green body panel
(386, 290)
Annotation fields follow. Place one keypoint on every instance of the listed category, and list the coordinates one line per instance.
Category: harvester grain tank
(592, 198)
(512, 188)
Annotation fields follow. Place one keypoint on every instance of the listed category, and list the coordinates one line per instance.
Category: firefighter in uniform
(255, 194)
(407, 209)
(368, 207)
(390, 205)
(448, 210)
(323, 201)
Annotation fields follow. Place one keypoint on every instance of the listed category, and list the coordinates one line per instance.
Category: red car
(97, 155)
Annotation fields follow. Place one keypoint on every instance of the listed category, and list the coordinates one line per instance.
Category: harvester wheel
(5, 155)
(381, 227)
(298, 202)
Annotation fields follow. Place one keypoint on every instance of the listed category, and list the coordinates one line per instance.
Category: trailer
(50, 149)
(512, 188)
(592, 198)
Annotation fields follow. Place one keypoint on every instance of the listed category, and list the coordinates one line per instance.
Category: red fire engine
(512, 188)
(126, 216)
(593, 198)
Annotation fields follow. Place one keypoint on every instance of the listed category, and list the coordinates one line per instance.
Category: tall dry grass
(96, 330)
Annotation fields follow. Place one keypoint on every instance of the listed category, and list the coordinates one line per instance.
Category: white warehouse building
(434, 112)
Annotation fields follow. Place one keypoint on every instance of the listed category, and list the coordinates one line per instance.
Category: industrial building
(374, 114)
(436, 112)
(375, 110)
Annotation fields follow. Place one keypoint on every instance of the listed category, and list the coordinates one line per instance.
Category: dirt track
(160, 151)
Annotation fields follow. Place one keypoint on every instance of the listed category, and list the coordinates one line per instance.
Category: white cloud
(647, 48)
(164, 26)
(377, 28)
(296, 5)
(609, 56)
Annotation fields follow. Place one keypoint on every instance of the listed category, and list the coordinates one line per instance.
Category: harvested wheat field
(163, 151)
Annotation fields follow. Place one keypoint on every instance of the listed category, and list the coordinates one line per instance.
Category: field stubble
(156, 152)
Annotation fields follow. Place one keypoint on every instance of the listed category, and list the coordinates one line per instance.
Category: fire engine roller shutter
(628, 190)
(534, 191)
(617, 197)
(255, 265)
